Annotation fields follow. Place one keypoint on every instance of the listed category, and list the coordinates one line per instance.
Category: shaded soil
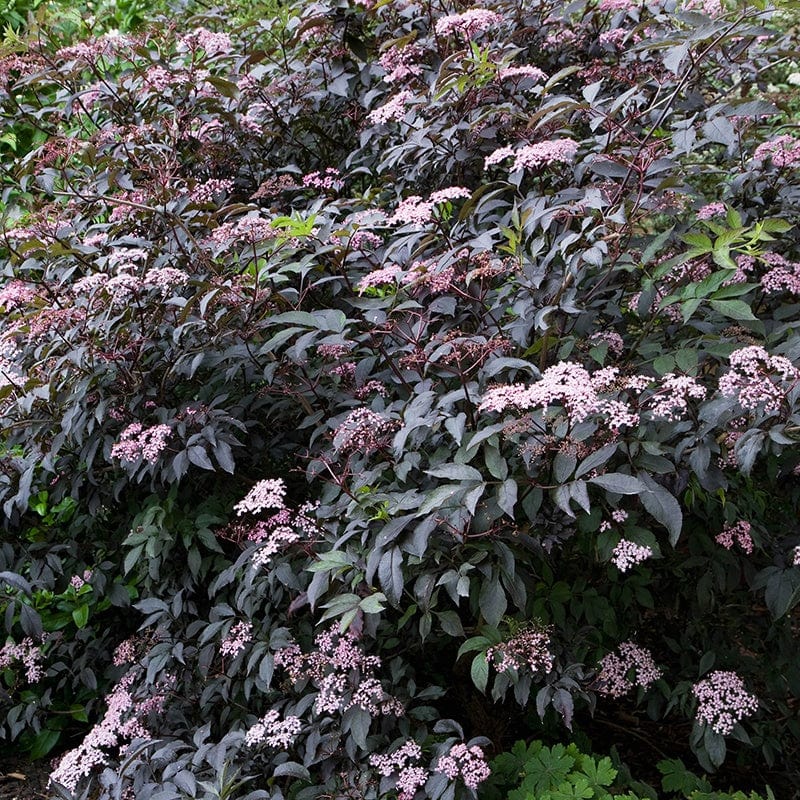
(21, 779)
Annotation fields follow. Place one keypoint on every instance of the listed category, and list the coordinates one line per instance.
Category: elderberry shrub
(399, 360)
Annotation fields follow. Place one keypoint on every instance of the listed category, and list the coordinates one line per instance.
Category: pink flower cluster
(251, 229)
(405, 762)
(273, 731)
(536, 156)
(784, 151)
(469, 24)
(343, 673)
(521, 71)
(123, 720)
(796, 556)
(28, 653)
(449, 193)
(618, 5)
(784, 276)
(239, 636)
(394, 109)
(723, 701)
(204, 39)
(528, 650)
(627, 554)
(329, 178)
(711, 210)
(468, 763)
(137, 442)
(740, 532)
(78, 581)
(379, 277)
(566, 384)
(362, 431)
(401, 63)
(413, 210)
(16, 295)
(206, 192)
(611, 338)
(750, 379)
(627, 667)
(671, 400)
(265, 494)
(165, 278)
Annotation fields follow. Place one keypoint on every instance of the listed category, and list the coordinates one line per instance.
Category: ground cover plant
(386, 383)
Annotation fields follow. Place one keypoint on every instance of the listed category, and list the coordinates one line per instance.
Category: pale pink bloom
(784, 151)
(470, 24)
(204, 39)
(362, 431)
(618, 5)
(627, 554)
(412, 211)
(267, 493)
(379, 277)
(783, 275)
(740, 532)
(409, 781)
(329, 178)
(614, 38)
(28, 653)
(165, 278)
(536, 156)
(750, 379)
(394, 109)
(450, 193)
(711, 210)
(629, 666)
(468, 763)
(671, 401)
(137, 442)
(723, 701)
(206, 192)
(273, 731)
(388, 763)
(401, 63)
(159, 79)
(528, 650)
(16, 295)
(522, 71)
(796, 556)
(239, 636)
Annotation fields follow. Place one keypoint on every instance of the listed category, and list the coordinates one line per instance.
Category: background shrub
(400, 364)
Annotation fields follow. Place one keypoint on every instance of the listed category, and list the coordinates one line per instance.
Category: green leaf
(492, 600)
(81, 615)
(44, 742)
(473, 643)
(776, 225)
(480, 671)
(699, 241)
(373, 604)
(733, 309)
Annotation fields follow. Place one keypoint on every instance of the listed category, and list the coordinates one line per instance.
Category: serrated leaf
(733, 309)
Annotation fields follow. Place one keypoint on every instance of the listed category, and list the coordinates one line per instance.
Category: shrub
(400, 362)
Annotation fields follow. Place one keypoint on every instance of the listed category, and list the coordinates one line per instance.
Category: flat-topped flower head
(723, 701)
